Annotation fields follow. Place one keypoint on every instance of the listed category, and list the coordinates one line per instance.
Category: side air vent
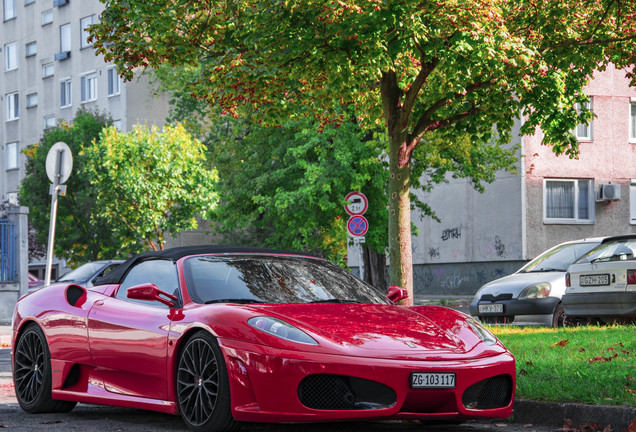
(75, 295)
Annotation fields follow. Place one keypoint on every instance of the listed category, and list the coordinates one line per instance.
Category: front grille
(338, 392)
(495, 392)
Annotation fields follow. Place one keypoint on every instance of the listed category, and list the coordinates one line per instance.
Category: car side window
(162, 273)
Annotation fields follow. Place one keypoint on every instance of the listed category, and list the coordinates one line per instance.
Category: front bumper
(515, 307)
(600, 304)
(265, 382)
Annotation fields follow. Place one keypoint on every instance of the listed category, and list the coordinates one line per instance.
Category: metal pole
(54, 193)
(361, 261)
(49, 249)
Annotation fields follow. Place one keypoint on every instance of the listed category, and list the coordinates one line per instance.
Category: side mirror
(396, 293)
(150, 292)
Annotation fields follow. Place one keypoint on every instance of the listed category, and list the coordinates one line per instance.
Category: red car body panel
(108, 351)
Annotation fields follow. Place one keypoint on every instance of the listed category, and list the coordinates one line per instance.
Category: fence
(8, 271)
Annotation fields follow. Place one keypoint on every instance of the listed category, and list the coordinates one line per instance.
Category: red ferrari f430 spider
(223, 335)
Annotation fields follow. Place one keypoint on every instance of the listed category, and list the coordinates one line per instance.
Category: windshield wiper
(335, 300)
(235, 300)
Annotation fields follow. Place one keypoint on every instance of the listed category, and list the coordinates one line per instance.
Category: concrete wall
(481, 236)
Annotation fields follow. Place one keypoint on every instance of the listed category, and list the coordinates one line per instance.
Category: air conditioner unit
(608, 192)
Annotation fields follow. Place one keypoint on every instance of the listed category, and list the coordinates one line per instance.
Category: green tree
(149, 183)
(447, 68)
(80, 235)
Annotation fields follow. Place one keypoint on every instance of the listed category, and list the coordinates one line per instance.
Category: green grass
(595, 365)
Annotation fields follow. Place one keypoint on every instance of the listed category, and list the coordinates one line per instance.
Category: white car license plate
(491, 308)
(433, 380)
(594, 280)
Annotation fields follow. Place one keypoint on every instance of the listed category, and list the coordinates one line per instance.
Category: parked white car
(601, 285)
(531, 295)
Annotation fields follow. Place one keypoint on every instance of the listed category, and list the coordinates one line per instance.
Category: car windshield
(617, 250)
(558, 258)
(81, 273)
(273, 279)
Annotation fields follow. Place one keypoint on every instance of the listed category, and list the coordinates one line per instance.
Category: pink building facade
(550, 200)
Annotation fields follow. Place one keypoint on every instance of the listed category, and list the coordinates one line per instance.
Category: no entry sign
(357, 226)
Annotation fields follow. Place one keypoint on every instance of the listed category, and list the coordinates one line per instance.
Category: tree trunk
(375, 269)
(400, 254)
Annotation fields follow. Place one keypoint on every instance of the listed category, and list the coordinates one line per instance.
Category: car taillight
(631, 277)
(567, 280)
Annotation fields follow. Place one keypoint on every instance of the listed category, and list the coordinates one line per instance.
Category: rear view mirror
(150, 292)
(396, 293)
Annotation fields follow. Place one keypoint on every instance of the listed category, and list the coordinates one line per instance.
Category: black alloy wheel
(32, 374)
(203, 389)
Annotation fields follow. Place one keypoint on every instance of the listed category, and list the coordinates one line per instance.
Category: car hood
(517, 282)
(382, 331)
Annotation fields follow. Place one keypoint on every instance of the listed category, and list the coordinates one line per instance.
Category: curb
(554, 414)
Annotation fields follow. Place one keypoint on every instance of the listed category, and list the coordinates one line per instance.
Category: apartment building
(49, 70)
(552, 199)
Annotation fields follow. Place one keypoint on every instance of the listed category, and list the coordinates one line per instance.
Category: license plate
(433, 380)
(491, 308)
(594, 280)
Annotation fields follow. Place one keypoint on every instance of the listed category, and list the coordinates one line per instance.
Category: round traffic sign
(357, 203)
(59, 163)
(357, 226)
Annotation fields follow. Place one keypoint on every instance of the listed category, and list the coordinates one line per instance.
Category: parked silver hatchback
(531, 295)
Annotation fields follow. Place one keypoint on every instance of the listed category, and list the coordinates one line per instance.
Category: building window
(65, 43)
(49, 122)
(13, 106)
(113, 82)
(568, 201)
(65, 93)
(85, 23)
(47, 70)
(47, 17)
(12, 156)
(89, 87)
(632, 121)
(32, 100)
(11, 56)
(60, 3)
(31, 49)
(117, 124)
(583, 132)
(28, 2)
(9, 9)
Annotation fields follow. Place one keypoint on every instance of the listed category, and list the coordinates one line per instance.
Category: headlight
(541, 290)
(281, 329)
(484, 334)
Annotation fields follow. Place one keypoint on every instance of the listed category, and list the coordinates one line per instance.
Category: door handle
(98, 303)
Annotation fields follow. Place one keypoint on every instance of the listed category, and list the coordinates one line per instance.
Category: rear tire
(203, 387)
(32, 374)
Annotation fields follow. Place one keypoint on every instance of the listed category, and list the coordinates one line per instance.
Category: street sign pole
(357, 225)
(59, 163)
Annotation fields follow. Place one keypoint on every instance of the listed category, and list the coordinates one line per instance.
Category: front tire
(32, 374)
(203, 388)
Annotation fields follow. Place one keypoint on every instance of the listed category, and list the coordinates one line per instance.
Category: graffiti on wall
(452, 233)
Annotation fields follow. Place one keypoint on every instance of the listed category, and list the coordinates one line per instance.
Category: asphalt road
(113, 419)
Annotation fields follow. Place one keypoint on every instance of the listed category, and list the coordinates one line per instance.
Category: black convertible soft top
(117, 275)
